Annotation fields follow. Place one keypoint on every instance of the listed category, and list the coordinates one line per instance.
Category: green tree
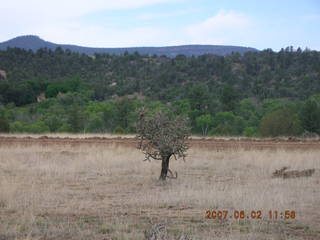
(108, 116)
(249, 112)
(228, 98)
(310, 116)
(124, 111)
(65, 128)
(54, 88)
(20, 94)
(37, 127)
(250, 132)
(199, 98)
(270, 105)
(204, 122)
(119, 130)
(17, 127)
(53, 122)
(282, 122)
(182, 107)
(76, 119)
(227, 124)
(94, 123)
(162, 136)
(4, 125)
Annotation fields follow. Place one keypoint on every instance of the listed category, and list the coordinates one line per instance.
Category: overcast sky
(127, 23)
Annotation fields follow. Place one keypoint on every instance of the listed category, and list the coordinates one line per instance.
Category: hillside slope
(34, 43)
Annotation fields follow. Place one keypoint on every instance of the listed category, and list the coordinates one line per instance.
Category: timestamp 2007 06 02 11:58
(253, 214)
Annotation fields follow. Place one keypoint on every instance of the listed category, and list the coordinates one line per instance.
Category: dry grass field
(82, 190)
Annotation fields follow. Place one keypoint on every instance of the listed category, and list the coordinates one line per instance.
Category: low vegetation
(63, 190)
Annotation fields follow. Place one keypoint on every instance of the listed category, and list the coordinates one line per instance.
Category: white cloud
(149, 16)
(99, 36)
(223, 28)
(71, 8)
(61, 19)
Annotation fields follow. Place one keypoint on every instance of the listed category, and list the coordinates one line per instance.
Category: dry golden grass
(98, 192)
(69, 135)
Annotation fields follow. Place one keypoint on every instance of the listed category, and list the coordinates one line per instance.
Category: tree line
(256, 94)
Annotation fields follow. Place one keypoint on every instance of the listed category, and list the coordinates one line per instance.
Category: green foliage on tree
(124, 110)
(53, 122)
(65, 128)
(281, 122)
(37, 127)
(310, 116)
(119, 130)
(182, 107)
(250, 132)
(71, 84)
(4, 125)
(260, 75)
(108, 90)
(270, 105)
(199, 98)
(229, 98)
(76, 119)
(17, 127)
(204, 122)
(227, 124)
(162, 136)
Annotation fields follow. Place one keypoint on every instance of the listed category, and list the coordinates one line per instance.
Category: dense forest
(262, 93)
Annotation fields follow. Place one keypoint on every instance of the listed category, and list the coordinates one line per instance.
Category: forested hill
(34, 43)
(262, 93)
(260, 75)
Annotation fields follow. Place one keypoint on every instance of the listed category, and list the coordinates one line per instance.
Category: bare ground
(99, 188)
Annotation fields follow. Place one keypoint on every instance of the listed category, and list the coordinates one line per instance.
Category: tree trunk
(165, 167)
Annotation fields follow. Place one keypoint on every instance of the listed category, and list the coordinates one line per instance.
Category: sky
(260, 24)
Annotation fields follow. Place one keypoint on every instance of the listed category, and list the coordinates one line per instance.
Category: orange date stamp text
(250, 214)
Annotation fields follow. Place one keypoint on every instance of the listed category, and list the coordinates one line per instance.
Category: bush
(250, 132)
(227, 124)
(37, 127)
(223, 130)
(204, 123)
(53, 122)
(310, 116)
(17, 127)
(4, 125)
(119, 130)
(94, 123)
(282, 122)
(64, 128)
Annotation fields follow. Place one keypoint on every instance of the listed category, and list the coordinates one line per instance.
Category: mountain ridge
(34, 43)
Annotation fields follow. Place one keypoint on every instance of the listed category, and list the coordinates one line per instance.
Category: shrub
(282, 122)
(227, 124)
(119, 130)
(4, 125)
(17, 127)
(250, 132)
(310, 116)
(162, 136)
(37, 127)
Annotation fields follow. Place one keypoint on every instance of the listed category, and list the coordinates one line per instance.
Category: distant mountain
(34, 43)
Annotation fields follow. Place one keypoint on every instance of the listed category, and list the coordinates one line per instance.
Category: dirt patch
(217, 144)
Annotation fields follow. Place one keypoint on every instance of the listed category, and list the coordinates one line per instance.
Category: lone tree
(162, 136)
